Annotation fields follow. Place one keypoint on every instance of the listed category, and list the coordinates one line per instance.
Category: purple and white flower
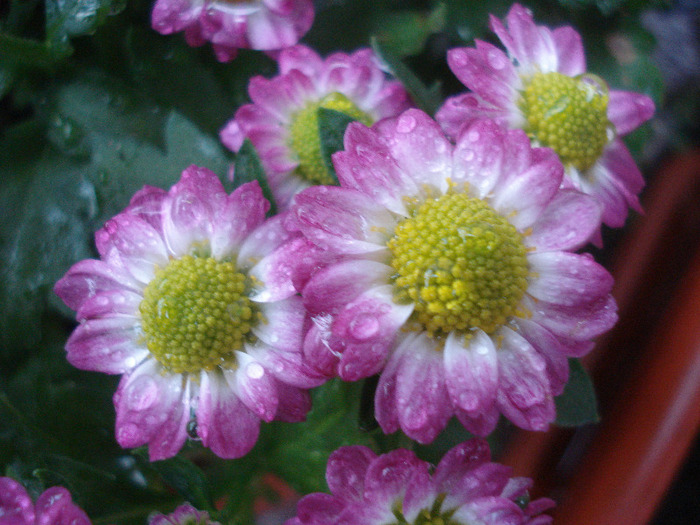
(230, 25)
(53, 507)
(183, 515)
(398, 488)
(541, 85)
(448, 269)
(190, 302)
(282, 123)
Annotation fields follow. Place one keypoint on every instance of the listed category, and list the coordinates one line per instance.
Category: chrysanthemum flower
(282, 121)
(542, 86)
(183, 515)
(450, 274)
(53, 507)
(235, 24)
(397, 488)
(190, 302)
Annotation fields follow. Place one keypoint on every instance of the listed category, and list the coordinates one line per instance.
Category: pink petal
(254, 387)
(479, 157)
(418, 147)
(422, 400)
(301, 58)
(567, 279)
(367, 165)
(224, 423)
(16, 507)
(54, 507)
(459, 462)
(579, 323)
(332, 288)
(345, 473)
(283, 326)
(340, 219)
(387, 476)
(367, 328)
(88, 278)
(243, 211)
(112, 303)
(191, 208)
(108, 345)
(294, 403)
(152, 408)
(567, 223)
(471, 372)
(525, 396)
(147, 204)
(571, 58)
(628, 110)
(462, 110)
(550, 348)
(139, 247)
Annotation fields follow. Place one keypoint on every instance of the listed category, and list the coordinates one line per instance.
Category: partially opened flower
(53, 507)
(235, 24)
(188, 300)
(542, 86)
(452, 275)
(397, 488)
(183, 515)
(282, 121)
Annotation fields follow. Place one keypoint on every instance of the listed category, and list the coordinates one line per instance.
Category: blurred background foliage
(94, 104)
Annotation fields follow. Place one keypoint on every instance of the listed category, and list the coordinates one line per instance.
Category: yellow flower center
(195, 314)
(462, 264)
(305, 138)
(427, 516)
(569, 115)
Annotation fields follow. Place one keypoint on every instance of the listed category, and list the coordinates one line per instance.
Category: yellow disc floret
(462, 264)
(305, 140)
(195, 314)
(569, 115)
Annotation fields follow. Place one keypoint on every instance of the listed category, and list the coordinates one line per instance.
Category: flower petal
(422, 400)
(340, 219)
(254, 386)
(106, 345)
(55, 507)
(224, 423)
(471, 372)
(152, 408)
(525, 396)
(567, 279)
(345, 473)
(628, 110)
(16, 507)
(567, 223)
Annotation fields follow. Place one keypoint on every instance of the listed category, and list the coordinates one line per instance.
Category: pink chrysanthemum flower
(188, 300)
(397, 488)
(230, 25)
(282, 121)
(542, 86)
(54, 506)
(448, 269)
(183, 515)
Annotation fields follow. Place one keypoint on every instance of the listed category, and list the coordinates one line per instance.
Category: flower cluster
(446, 260)
(53, 507)
(399, 488)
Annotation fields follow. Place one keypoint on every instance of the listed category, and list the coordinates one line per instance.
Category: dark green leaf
(331, 129)
(405, 32)
(577, 405)
(428, 99)
(248, 168)
(187, 479)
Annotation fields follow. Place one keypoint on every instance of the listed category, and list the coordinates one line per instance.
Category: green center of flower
(194, 314)
(306, 140)
(569, 115)
(431, 516)
(462, 264)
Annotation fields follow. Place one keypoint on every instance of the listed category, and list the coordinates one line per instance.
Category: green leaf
(405, 32)
(428, 99)
(187, 479)
(577, 405)
(300, 451)
(248, 168)
(331, 128)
